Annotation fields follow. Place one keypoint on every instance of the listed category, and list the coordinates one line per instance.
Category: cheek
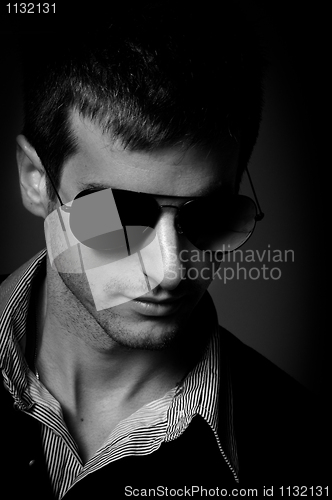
(107, 286)
(79, 286)
(199, 267)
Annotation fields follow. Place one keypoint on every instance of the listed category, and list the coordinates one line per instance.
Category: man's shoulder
(278, 423)
(251, 368)
(257, 381)
(8, 282)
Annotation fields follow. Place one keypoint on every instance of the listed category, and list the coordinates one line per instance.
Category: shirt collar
(199, 391)
(14, 305)
(207, 391)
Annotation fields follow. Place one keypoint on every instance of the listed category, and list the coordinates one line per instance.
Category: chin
(147, 334)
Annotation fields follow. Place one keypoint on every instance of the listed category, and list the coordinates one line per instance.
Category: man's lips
(162, 305)
(160, 299)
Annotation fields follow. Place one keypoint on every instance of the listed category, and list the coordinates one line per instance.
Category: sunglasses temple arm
(260, 214)
(53, 185)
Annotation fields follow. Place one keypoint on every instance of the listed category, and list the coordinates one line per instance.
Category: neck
(66, 360)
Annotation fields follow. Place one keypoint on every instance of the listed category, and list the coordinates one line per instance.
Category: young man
(117, 377)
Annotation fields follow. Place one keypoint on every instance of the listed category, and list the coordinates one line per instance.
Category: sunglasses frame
(258, 217)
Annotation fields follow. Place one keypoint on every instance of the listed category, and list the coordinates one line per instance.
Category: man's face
(129, 313)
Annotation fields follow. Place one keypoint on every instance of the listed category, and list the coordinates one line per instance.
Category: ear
(32, 178)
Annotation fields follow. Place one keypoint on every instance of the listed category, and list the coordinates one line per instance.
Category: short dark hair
(153, 79)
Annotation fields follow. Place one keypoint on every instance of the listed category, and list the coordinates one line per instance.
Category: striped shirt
(141, 433)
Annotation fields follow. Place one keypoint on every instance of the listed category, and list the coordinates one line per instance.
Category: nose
(169, 243)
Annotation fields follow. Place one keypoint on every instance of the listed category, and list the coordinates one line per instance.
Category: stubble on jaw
(73, 307)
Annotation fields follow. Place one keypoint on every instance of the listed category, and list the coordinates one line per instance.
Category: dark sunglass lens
(113, 220)
(136, 209)
(139, 214)
(219, 224)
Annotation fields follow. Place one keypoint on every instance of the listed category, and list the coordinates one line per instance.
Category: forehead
(174, 171)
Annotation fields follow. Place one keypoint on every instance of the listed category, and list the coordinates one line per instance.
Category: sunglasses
(108, 219)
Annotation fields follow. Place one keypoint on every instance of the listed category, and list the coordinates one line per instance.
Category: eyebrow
(99, 186)
(93, 185)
